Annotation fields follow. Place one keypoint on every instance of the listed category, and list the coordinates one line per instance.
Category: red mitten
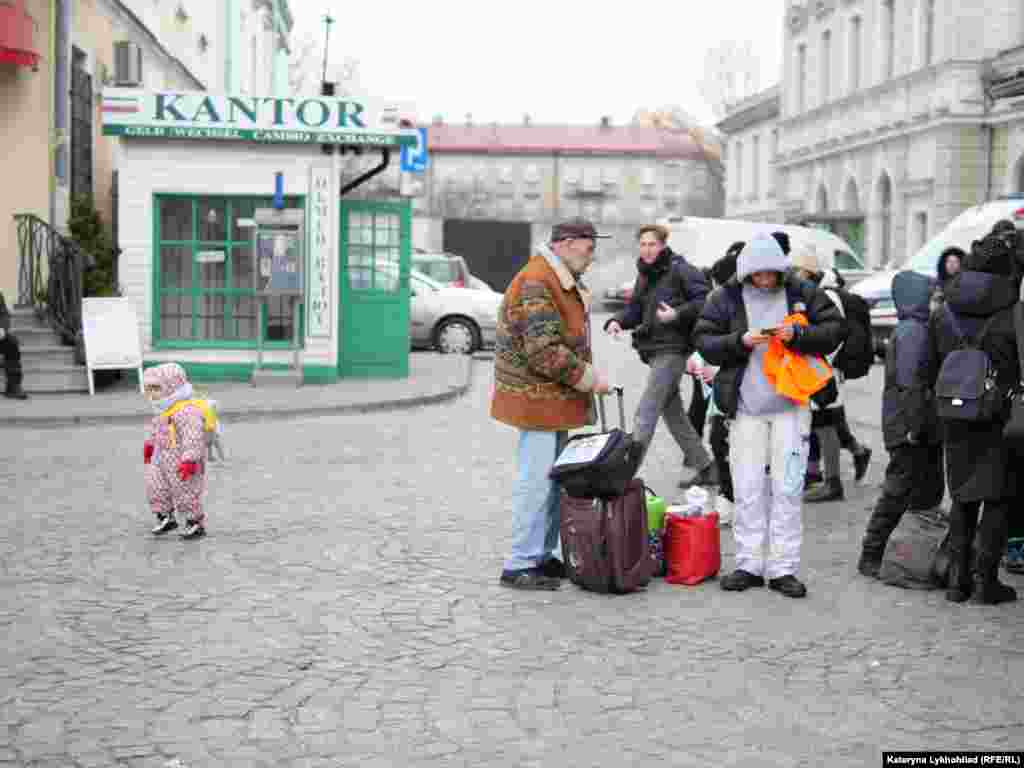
(147, 452)
(188, 468)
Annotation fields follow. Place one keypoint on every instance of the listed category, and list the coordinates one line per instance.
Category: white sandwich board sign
(111, 332)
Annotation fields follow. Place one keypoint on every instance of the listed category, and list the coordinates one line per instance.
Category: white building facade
(887, 122)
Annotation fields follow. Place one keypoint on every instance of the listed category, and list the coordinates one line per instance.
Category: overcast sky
(558, 60)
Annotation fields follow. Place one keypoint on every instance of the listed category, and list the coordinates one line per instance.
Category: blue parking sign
(414, 159)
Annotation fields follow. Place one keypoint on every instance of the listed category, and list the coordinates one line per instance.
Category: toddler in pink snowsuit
(175, 452)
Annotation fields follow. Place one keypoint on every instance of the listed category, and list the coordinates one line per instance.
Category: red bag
(693, 548)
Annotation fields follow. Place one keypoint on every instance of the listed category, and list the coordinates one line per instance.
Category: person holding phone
(768, 429)
(667, 298)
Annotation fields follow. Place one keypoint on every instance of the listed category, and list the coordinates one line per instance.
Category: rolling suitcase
(605, 541)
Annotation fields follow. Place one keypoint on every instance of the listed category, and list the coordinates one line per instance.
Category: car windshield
(442, 270)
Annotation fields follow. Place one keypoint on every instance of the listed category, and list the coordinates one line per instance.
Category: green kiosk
(244, 245)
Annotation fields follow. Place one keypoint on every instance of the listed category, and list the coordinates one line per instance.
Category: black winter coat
(908, 404)
(673, 280)
(977, 458)
(720, 329)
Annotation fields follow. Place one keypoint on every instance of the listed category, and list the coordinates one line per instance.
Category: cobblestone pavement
(344, 611)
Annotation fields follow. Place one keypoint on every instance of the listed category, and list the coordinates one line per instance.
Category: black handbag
(598, 465)
(1013, 432)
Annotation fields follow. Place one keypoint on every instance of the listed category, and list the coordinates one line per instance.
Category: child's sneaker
(164, 523)
(193, 530)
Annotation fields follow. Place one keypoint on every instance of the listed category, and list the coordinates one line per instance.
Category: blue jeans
(536, 514)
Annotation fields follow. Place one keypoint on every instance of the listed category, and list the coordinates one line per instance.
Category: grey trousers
(661, 399)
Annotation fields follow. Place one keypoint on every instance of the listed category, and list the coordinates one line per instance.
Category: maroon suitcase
(605, 543)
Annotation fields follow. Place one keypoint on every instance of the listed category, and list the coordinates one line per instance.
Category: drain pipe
(986, 83)
(363, 178)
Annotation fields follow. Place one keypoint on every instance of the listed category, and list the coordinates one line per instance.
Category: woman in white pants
(768, 429)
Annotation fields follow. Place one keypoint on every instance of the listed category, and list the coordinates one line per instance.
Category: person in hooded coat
(909, 423)
(978, 459)
(950, 263)
(767, 428)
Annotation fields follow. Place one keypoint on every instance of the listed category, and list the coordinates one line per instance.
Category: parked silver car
(451, 320)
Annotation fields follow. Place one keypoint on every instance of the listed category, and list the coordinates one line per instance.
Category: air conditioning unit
(127, 64)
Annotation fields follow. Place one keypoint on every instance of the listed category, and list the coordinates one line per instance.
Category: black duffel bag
(598, 465)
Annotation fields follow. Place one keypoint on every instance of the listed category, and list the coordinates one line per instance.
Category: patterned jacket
(543, 377)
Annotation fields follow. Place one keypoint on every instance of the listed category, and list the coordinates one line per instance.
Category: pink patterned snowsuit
(175, 440)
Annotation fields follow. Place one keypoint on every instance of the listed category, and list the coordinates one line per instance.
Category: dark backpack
(857, 353)
(966, 388)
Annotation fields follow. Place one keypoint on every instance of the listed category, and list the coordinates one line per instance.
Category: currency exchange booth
(242, 247)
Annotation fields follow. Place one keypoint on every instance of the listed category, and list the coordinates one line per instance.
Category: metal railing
(50, 275)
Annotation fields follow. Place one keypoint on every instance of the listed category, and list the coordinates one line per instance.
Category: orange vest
(793, 375)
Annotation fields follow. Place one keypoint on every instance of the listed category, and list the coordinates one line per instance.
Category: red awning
(17, 30)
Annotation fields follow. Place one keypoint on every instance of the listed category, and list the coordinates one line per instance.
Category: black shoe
(860, 464)
(193, 530)
(790, 586)
(991, 591)
(16, 394)
(554, 569)
(164, 524)
(869, 565)
(740, 580)
(529, 579)
(830, 490)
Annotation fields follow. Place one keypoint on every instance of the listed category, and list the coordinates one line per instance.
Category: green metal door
(375, 254)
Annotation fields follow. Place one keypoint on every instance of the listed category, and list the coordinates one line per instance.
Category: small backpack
(857, 353)
(966, 389)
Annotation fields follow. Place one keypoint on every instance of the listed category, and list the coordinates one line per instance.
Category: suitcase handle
(622, 410)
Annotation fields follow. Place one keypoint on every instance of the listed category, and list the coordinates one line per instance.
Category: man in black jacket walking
(667, 299)
(11, 351)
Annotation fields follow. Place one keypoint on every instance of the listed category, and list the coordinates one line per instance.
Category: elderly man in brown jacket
(544, 382)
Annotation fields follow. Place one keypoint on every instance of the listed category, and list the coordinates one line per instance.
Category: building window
(205, 292)
(801, 77)
(374, 242)
(739, 169)
(928, 43)
(920, 229)
(854, 62)
(826, 66)
(755, 165)
(889, 37)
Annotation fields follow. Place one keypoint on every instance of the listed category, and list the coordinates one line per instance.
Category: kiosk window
(374, 247)
(203, 269)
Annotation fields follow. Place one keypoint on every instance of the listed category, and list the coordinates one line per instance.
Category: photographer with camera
(667, 299)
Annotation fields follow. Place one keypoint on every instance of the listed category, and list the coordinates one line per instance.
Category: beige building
(889, 119)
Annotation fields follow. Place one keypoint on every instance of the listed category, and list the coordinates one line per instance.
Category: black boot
(988, 590)
(962, 525)
(14, 390)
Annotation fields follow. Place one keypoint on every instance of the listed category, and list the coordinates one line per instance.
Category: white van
(973, 224)
(704, 241)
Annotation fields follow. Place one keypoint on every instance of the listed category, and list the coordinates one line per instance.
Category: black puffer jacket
(977, 460)
(673, 280)
(908, 407)
(720, 329)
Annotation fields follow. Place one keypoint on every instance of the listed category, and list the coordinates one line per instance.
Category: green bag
(656, 508)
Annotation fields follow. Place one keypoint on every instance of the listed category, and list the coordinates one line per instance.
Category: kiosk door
(375, 253)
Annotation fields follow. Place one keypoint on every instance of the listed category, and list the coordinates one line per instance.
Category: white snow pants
(768, 526)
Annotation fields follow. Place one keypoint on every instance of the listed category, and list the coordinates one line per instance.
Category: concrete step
(43, 358)
(35, 336)
(53, 379)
